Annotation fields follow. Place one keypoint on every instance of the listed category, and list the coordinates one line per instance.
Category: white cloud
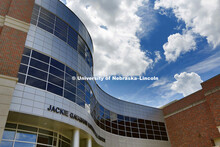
(178, 44)
(201, 16)
(158, 56)
(211, 63)
(186, 83)
(159, 82)
(117, 48)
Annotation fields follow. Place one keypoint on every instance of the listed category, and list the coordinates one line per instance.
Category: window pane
(21, 144)
(24, 136)
(45, 139)
(45, 27)
(21, 78)
(80, 102)
(39, 65)
(36, 83)
(6, 143)
(56, 72)
(25, 60)
(46, 132)
(57, 64)
(40, 56)
(55, 80)
(69, 96)
(37, 73)
(8, 134)
(55, 89)
(70, 71)
(10, 125)
(23, 69)
(69, 79)
(70, 87)
(27, 51)
(27, 128)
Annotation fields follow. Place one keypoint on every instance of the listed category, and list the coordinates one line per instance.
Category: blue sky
(177, 41)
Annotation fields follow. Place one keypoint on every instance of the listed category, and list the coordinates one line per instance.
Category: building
(195, 119)
(42, 46)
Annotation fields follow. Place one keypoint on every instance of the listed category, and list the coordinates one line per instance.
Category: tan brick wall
(7, 85)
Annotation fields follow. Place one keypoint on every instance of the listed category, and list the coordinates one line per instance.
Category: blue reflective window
(80, 102)
(36, 83)
(87, 100)
(6, 143)
(87, 93)
(81, 51)
(40, 56)
(56, 72)
(70, 87)
(49, 14)
(101, 108)
(41, 25)
(27, 51)
(69, 96)
(70, 71)
(8, 134)
(133, 119)
(45, 22)
(107, 112)
(121, 117)
(127, 118)
(34, 15)
(80, 86)
(55, 80)
(37, 73)
(24, 59)
(54, 89)
(39, 65)
(57, 64)
(80, 94)
(47, 18)
(21, 78)
(72, 38)
(60, 36)
(34, 22)
(23, 69)
(61, 26)
(24, 136)
(69, 79)
(61, 29)
(22, 144)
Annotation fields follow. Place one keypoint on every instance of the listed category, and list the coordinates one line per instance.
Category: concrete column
(89, 142)
(75, 138)
(7, 85)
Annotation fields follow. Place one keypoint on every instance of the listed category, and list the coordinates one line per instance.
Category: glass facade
(53, 24)
(18, 135)
(44, 72)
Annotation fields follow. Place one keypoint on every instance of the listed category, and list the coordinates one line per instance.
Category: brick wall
(4, 6)
(197, 125)
(12, 40)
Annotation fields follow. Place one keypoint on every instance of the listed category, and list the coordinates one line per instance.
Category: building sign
(66, 113)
